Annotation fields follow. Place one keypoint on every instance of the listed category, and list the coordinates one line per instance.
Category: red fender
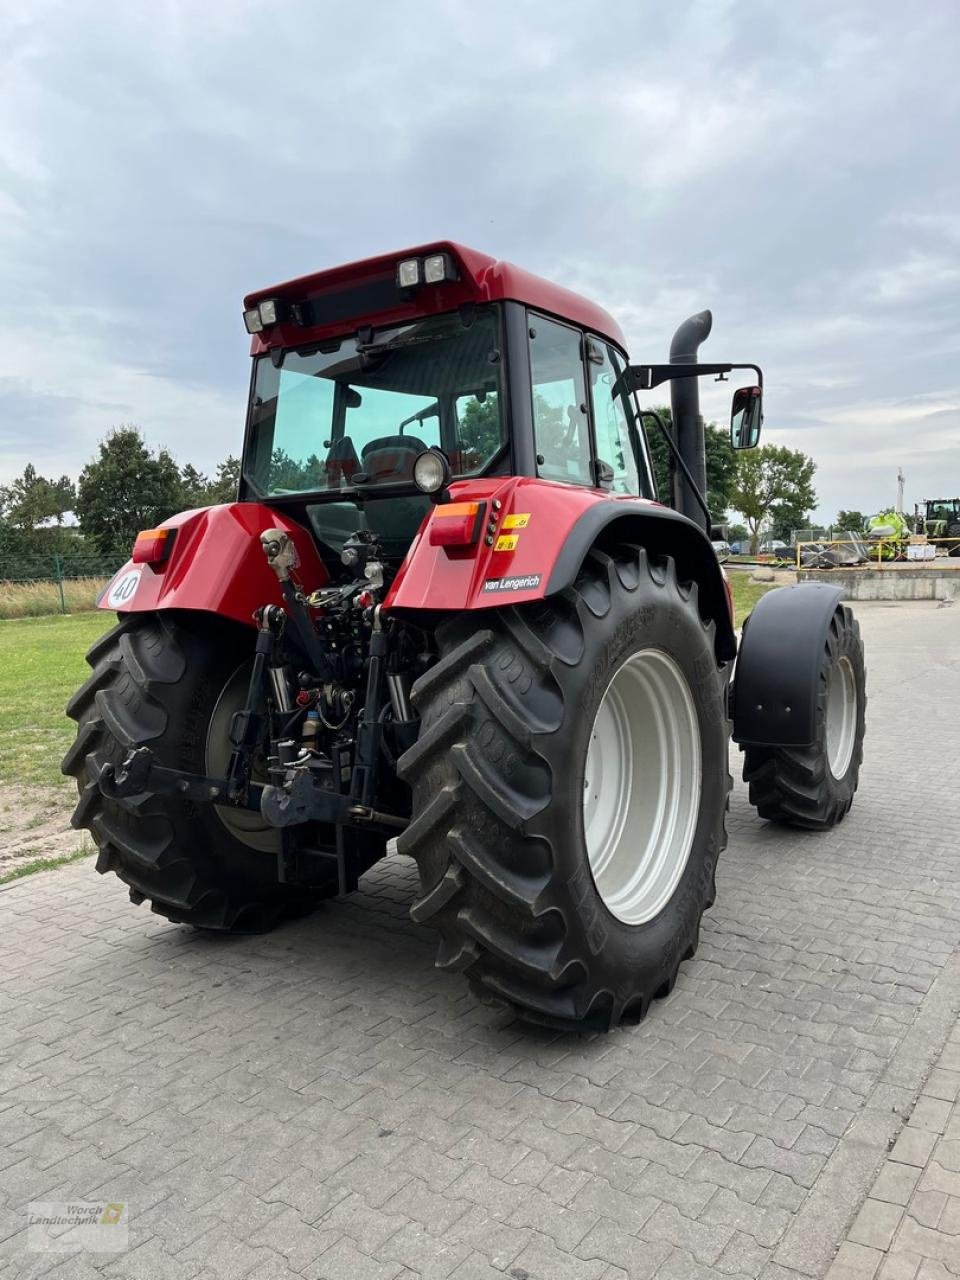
(215, 565)
(532, 539)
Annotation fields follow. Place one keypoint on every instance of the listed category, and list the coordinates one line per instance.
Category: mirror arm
(644, 377)
(671, 444)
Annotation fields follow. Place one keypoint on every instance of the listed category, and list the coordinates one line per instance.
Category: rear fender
(776, 680)
(534, 538)
(215, 565)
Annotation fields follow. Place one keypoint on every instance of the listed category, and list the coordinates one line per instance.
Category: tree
(32, 499)
(769, 477)
(198, 490)
(32, 508)
(227, 482)
(125, 489)
(850, 522)
(721, 463)
(194, 487)
(480, 427)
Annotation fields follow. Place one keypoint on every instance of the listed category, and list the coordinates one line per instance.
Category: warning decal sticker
(518, 521)
(506, 542)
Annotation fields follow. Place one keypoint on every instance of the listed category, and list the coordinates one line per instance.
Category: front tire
(541, 893)
(813, 787)
(159, 681)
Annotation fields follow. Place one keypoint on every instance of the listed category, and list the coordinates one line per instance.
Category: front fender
(776, 681)
(216, 565)
(539, 534)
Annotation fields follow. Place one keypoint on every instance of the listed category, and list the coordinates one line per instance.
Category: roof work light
(266, 313)
(433, 269)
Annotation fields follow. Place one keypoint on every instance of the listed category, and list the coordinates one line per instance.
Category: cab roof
(340, 300)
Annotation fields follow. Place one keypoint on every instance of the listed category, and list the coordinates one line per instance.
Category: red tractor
(448, 618)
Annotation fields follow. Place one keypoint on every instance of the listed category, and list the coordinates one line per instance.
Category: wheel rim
(841, 717)
(245, 825)
(642, 786)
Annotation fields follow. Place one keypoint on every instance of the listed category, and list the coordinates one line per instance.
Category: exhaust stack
(687, 420)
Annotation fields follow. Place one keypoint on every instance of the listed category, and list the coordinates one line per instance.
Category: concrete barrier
(903, 583)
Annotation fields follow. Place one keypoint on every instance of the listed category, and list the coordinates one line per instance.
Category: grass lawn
(746, 594)
(41, 664)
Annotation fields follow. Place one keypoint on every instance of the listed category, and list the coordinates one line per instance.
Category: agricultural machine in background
(447, 618)
(887, 535)
(939, 519)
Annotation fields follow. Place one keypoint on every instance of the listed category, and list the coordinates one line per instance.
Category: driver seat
(390, 457)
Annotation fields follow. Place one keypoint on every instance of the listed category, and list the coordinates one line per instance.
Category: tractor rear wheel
(569, 790)
(813, 787)
(171, 682)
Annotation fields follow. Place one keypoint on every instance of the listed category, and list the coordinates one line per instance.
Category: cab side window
(560, 421)
(617, 436)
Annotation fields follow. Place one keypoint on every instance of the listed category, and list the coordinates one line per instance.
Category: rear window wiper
(394, 344)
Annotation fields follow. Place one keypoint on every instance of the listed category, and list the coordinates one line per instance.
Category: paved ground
(909, 1227)
(322, 1102)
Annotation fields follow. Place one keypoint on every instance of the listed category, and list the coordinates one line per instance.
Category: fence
(32, 585)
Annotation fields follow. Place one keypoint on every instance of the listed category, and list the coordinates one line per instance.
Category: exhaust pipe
(687, 421)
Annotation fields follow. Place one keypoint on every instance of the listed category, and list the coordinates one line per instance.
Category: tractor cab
(452, 352)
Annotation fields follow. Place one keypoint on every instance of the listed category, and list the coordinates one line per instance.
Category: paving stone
(344, 1261)
(931, 1114)
(926, 1207)
(855, 1262)
(640, 1259)
(875, 1224)
(895, 1183)
(899, 1266)
(942, 1084)
(914, 1146)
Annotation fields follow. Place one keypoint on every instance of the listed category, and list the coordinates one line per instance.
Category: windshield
(356, 414)
(943, 508)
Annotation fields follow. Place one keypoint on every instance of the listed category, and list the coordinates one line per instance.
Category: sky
(793, 167)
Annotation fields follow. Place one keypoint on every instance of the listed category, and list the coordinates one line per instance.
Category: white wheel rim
(642, 785)
(245, 825)
(841, 717)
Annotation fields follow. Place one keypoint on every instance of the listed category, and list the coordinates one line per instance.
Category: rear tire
(157, 680)
(500, 824)
(813, 787)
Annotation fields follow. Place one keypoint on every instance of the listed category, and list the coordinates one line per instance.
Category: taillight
(152, 546)
(456, 524)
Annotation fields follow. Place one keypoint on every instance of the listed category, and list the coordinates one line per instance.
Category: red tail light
(152, 546)
(456, 524)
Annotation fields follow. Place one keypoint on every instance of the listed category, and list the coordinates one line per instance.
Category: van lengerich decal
(523, 582)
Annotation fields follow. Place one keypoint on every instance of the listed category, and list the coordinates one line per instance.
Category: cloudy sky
(794, 167)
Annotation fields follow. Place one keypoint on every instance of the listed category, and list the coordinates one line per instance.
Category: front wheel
(814, 786)
(569, 790)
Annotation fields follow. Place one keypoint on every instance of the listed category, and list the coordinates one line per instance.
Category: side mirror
(746, 417)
